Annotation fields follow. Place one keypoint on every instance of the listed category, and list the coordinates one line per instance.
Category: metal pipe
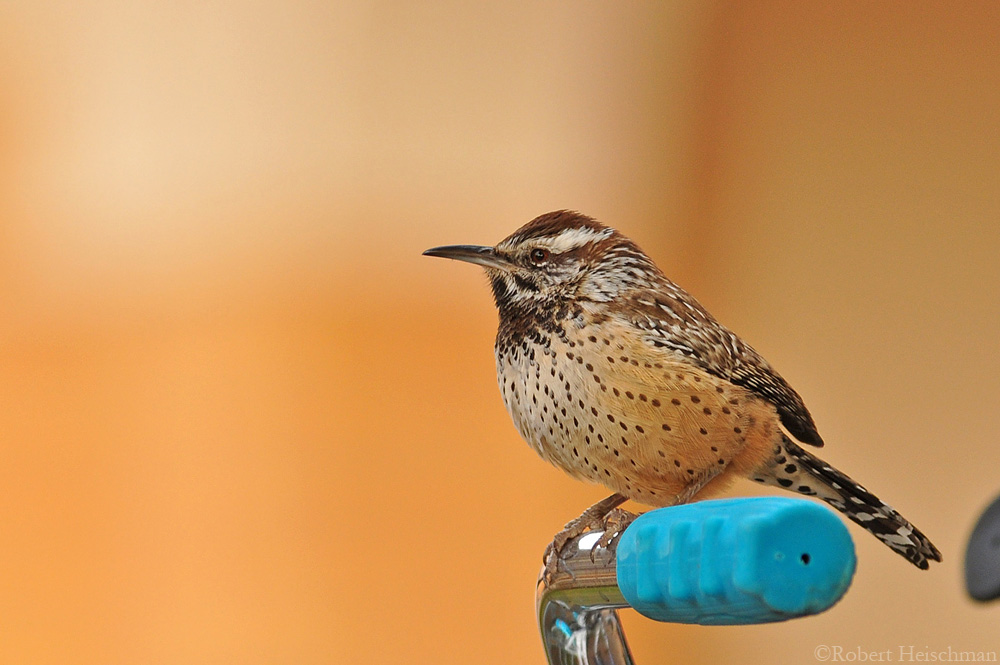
(577, 608)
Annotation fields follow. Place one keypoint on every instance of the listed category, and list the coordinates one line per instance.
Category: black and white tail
(797, 470)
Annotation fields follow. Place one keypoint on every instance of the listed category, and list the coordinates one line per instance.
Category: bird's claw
(612, 525)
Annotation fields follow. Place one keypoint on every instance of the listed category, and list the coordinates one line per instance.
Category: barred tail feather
(797, 470)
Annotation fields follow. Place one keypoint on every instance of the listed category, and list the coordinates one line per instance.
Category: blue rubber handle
(735, 561)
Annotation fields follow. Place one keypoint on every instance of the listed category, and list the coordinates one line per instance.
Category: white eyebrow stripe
(571, 239)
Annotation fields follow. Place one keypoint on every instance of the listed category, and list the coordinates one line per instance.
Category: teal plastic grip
(735, 561)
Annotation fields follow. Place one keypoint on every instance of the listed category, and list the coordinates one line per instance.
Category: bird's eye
(539, 256)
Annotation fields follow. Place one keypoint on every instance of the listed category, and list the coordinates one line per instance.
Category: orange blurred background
(246, 422)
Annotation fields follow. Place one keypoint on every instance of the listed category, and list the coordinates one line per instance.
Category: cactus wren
(618, 376)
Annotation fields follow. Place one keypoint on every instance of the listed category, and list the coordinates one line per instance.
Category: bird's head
(556, 258)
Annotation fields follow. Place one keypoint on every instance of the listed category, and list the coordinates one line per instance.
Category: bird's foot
(614, 526)
(593, 519)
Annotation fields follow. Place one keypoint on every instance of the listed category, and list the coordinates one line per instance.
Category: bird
(618, 376)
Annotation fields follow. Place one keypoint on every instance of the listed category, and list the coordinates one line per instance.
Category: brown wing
(676, 321)
(754, 373)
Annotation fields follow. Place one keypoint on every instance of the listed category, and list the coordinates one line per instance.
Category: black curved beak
(478, 254)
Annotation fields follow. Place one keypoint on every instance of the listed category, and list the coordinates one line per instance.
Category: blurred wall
(246, 422)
